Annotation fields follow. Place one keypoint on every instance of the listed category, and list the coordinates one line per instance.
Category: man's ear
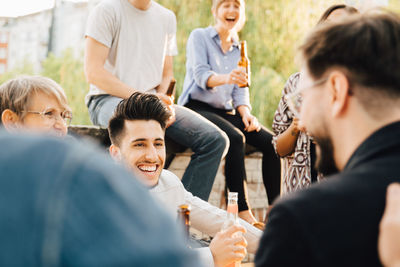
(115, 152)
(9, 119)
(339, 87)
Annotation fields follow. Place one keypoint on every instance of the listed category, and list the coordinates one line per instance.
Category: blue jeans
(208, 143)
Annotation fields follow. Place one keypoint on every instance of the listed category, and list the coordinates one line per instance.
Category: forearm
(209, 220)
(107, 82)
(163, 87)
(96, 54)
(217, 80)
(168, 74)
(286, 141)
(243, 110)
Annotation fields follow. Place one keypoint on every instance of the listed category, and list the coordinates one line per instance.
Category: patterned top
(296, 167)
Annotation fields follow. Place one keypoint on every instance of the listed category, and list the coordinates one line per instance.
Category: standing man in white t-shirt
(130, 46)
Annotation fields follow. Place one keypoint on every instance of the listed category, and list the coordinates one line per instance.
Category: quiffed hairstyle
(329, 10)
(138, 106)
(366, 47)
(15, 94)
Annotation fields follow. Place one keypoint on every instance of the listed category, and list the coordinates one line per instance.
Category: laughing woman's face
(228, 14)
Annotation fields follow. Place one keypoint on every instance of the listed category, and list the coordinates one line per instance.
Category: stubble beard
(325, 163)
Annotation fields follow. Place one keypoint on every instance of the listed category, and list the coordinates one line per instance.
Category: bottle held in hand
(184, 219)
(171, 88)
(232, 218)
(244, 63)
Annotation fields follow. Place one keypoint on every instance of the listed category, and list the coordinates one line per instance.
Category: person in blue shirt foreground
(64, 204)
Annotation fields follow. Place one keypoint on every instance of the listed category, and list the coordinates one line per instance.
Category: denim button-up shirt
(205, 57)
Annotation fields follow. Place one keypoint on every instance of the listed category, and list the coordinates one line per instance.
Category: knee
(237, 138)
(223, 143)
(220, 141)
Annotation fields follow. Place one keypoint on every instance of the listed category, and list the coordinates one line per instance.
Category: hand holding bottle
(237, 76)
(229, 246)
(169, 102)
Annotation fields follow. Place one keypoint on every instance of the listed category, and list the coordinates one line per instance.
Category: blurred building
(24, 39)
(32, 37)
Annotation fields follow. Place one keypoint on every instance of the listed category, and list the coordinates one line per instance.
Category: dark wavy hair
(329, 10)
(138, 106)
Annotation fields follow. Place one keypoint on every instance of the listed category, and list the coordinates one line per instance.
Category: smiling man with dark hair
(137, 133)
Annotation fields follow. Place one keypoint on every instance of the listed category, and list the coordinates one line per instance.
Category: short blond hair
(15, 94)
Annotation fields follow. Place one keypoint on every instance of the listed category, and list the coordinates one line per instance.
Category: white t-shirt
(138, 41)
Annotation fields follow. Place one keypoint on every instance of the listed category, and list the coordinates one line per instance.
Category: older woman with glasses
(35, 104)
(291, 141)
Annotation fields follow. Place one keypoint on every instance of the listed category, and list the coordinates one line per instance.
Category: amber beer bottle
(232, 219)
(244, 63)
(171, 88)
(184, 219)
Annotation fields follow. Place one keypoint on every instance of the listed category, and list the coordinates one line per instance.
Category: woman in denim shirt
(211, 88)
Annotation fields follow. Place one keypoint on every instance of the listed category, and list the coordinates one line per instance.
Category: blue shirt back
(64, 204)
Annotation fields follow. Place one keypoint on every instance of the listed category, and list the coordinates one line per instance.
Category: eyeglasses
(51, 114)
(294, 100)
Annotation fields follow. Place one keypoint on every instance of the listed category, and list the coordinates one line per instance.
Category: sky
(14, 8)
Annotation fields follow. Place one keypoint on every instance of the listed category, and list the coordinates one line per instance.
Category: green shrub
(67, 70)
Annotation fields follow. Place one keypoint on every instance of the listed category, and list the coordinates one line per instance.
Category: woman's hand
(237, 76)
(250, 122)
(296, 127)
(286, 141)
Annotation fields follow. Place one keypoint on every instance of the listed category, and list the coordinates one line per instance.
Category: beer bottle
(184, 219)
(171, 87)
(232, 218)
(244, 63)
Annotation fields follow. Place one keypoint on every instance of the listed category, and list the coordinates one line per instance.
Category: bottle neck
(243, 49)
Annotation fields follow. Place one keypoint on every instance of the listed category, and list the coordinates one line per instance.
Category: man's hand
(389, 234)
(229, 246)
(169, 102)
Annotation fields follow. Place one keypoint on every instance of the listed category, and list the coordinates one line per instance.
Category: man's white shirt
(204, 217)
